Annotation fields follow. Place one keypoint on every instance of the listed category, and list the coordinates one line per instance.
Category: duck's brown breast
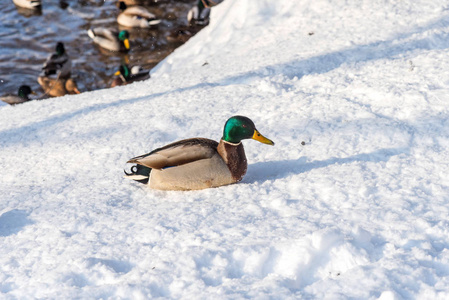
(234, 157)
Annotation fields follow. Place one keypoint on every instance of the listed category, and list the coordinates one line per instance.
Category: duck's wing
(105, 38)
(102, 33)
(56, 63)
(178, 153)
(139, 11)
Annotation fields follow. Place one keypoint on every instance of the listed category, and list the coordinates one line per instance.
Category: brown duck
(58, 87)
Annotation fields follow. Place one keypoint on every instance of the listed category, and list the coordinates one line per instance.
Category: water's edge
(27, 38)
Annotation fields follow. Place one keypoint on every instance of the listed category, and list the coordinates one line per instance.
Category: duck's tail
(139, 173)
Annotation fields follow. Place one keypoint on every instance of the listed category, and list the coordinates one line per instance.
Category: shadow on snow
(272, 170)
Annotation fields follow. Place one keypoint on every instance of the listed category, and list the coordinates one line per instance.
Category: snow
(352, 202)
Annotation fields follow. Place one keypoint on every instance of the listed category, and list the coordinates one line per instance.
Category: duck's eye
(244, 126)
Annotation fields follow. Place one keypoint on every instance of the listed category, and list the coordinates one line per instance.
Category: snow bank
(351, 202)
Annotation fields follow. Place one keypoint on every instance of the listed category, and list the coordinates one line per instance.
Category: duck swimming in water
(136, 16)
(110, 39)
(21, 97)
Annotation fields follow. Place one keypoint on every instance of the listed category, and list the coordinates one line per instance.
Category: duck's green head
(24, 91)
(124, 71)
(60, 50)
(238, 128)
(124, 37)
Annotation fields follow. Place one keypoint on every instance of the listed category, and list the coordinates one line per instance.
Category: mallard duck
(32, 4)
(58, 87)
(125, 75)
(58, 63)
(110, 39)
(198, 163)
(21, 97)
(199, 14)
(136, 16)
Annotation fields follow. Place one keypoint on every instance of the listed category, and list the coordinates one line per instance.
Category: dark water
(26, 39)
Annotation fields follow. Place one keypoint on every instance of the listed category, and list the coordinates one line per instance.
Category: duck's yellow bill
(260, 138)
(126, 42)
(117, 73)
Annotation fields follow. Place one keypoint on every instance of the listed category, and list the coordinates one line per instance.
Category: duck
(58, 63)
(58, 87)
(198, 163)
(110, 39)
(126, 75)
(31, 4)
(199, 14)
(136, 16)
(21, 97)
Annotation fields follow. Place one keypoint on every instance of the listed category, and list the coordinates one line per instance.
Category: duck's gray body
(107, 39)
(14, 99)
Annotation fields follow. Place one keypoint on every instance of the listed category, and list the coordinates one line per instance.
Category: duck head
(124, 37)
(238, 128)
(60, 50)
(24, 91)
(124, 72)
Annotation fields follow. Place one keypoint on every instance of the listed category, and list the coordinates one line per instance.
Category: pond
(28, 37)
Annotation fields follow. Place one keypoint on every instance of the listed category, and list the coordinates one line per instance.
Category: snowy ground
(351, 202)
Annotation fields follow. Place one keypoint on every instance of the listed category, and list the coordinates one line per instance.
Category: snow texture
(351, 203)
